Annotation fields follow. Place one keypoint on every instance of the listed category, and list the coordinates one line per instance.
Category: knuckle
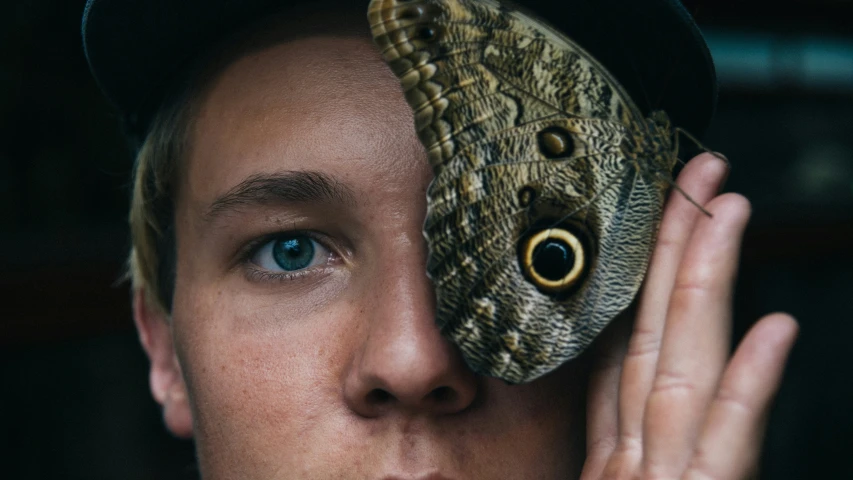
(631, 443)
(735, 403)
(672, 382)
(694, 288)
(669, 239)
(602, 447)
(644, 342)
(624, 459)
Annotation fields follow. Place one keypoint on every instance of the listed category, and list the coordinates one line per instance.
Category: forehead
(315, 102)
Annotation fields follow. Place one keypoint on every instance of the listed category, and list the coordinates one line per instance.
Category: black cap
(135, 48)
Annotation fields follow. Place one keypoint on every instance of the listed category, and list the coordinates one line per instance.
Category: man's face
(303, 318)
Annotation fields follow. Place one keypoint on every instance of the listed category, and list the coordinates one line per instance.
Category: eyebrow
(281, 188)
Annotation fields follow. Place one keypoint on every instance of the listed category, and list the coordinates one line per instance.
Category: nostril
(443, 394)
(377, 396)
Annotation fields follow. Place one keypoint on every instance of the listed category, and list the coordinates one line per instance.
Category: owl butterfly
(549, 181)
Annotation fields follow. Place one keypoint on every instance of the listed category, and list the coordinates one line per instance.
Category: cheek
(260, 377)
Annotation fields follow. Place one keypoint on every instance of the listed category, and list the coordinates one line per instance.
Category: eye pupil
(293, 253)
(553, 259)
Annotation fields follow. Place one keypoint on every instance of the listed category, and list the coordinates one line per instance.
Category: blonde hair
(151, 263)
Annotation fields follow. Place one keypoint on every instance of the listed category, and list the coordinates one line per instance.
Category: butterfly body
(549, 182)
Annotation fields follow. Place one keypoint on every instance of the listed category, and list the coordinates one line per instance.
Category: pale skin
(339, 371)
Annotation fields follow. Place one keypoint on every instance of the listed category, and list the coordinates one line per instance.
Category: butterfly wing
(540, 218)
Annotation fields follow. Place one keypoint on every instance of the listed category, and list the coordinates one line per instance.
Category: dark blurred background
(75, 401)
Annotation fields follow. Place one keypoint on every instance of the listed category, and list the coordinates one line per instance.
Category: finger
(608, 351)
(695, 340)
(701, 179)
(730, 443)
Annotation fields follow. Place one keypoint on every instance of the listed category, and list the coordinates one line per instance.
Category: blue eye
(293, 253)
(290, 253)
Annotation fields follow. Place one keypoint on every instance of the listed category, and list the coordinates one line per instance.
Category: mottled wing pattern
(526, 133)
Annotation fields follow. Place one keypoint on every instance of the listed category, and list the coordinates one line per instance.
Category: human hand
(669, 402)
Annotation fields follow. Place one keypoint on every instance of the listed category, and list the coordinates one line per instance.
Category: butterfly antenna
(680, 131)
(688, 197)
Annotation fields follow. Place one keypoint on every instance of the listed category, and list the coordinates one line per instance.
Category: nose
(404, 363)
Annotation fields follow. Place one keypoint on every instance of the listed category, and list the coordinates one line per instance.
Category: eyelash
(257, 273)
